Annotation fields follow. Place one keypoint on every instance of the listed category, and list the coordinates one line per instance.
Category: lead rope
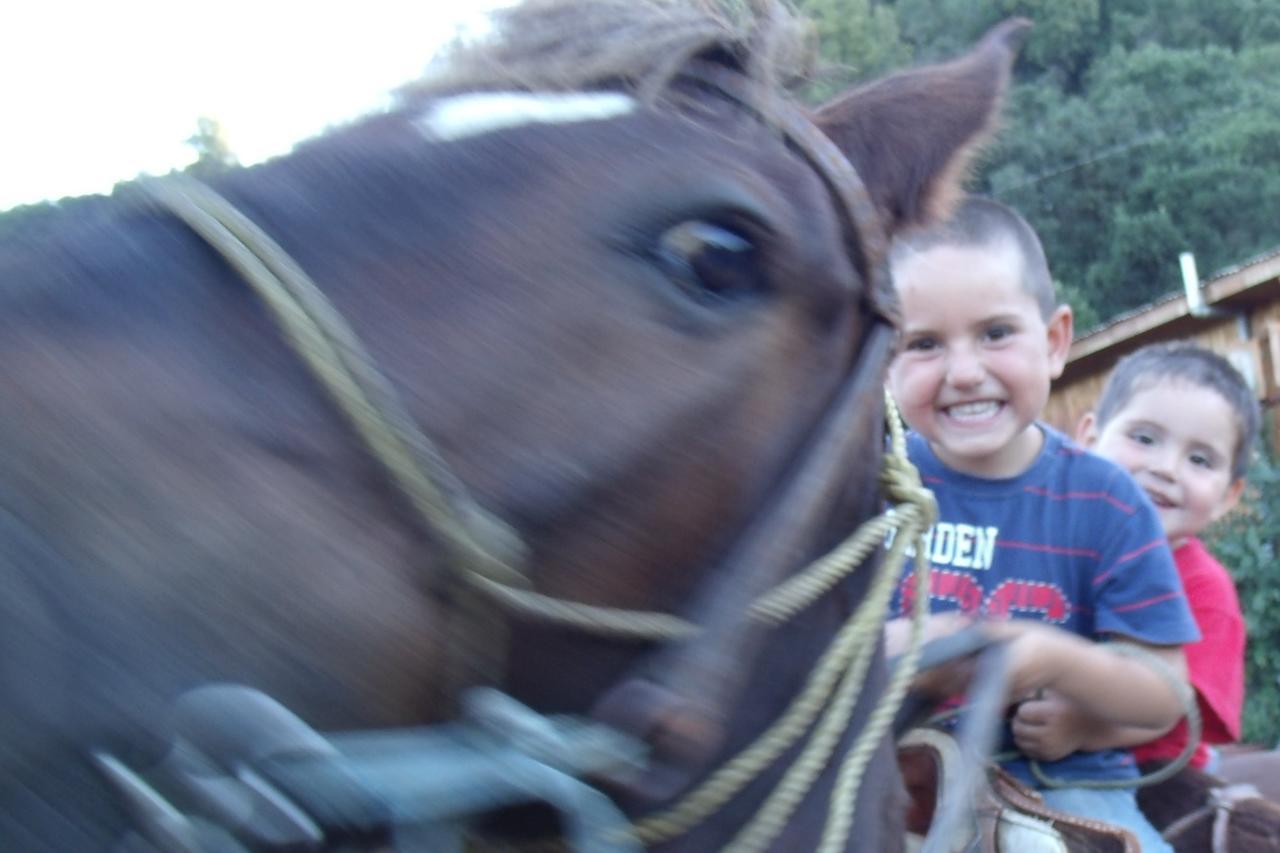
(341, 365)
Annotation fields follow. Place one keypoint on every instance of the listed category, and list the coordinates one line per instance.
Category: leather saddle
(1007, 816)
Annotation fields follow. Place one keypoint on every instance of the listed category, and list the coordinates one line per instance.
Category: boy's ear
(1230, 498)
(1060, 326)
(1087, 430)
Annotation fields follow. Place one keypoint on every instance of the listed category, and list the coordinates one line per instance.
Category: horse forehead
(463, 116)
(729, 156)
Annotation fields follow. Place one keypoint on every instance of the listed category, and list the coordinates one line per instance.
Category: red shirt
(1215, 664)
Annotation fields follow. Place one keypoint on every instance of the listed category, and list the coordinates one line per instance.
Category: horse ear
(913, 135)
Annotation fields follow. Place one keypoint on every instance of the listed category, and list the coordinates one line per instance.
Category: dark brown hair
(980, 222)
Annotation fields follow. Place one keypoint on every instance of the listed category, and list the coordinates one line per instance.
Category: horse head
(632, 293)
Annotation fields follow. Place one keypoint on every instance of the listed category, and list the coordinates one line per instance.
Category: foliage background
(1136, 129)
(1248, 542)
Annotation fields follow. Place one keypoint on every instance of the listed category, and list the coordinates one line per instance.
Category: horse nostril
(683, 734)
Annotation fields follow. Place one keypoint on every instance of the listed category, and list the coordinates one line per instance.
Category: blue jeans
(1118, 806)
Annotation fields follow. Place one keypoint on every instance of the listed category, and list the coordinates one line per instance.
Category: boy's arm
(1120, 698)
(1049, 727)
(1115, 688)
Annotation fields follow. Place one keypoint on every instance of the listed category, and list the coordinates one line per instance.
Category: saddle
(1008, 816)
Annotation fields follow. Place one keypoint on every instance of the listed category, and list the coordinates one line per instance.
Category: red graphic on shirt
(956, 587)
(1011, 596)
(1028, 597)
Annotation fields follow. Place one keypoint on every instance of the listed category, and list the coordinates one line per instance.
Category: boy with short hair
(1030, 526)
(1183, 421)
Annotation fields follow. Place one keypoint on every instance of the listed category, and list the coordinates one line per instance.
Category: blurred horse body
(619, 332)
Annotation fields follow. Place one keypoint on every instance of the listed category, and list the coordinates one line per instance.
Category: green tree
(1192, 23)
(859, 39)
(1136, 130)
(1165, 150)
(941, 29)
(1084, 314)
(1066, 36)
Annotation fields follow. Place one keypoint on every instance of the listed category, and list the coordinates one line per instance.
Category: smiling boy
(1079, 554)
(1183, 422)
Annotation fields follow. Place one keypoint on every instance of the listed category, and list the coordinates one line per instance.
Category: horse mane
(637, 46)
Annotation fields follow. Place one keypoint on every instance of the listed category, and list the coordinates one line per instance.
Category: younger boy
(1183, 422)
(1031, 527)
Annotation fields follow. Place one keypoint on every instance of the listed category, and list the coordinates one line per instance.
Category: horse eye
(710, 263)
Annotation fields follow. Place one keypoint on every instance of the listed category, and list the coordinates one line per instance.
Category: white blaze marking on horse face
(471, 115)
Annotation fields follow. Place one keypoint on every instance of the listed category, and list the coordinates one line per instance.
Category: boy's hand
(1048, 727)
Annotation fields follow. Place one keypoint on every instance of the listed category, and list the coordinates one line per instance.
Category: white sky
(97, 91)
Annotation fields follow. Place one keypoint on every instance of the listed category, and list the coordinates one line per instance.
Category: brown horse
(620, 319)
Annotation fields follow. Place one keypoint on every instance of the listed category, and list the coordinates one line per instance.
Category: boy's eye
(1201, 460)
(997, 333)
(1142, 437)
(921, 344)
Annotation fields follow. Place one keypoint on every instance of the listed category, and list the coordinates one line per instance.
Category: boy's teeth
(972, 410)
